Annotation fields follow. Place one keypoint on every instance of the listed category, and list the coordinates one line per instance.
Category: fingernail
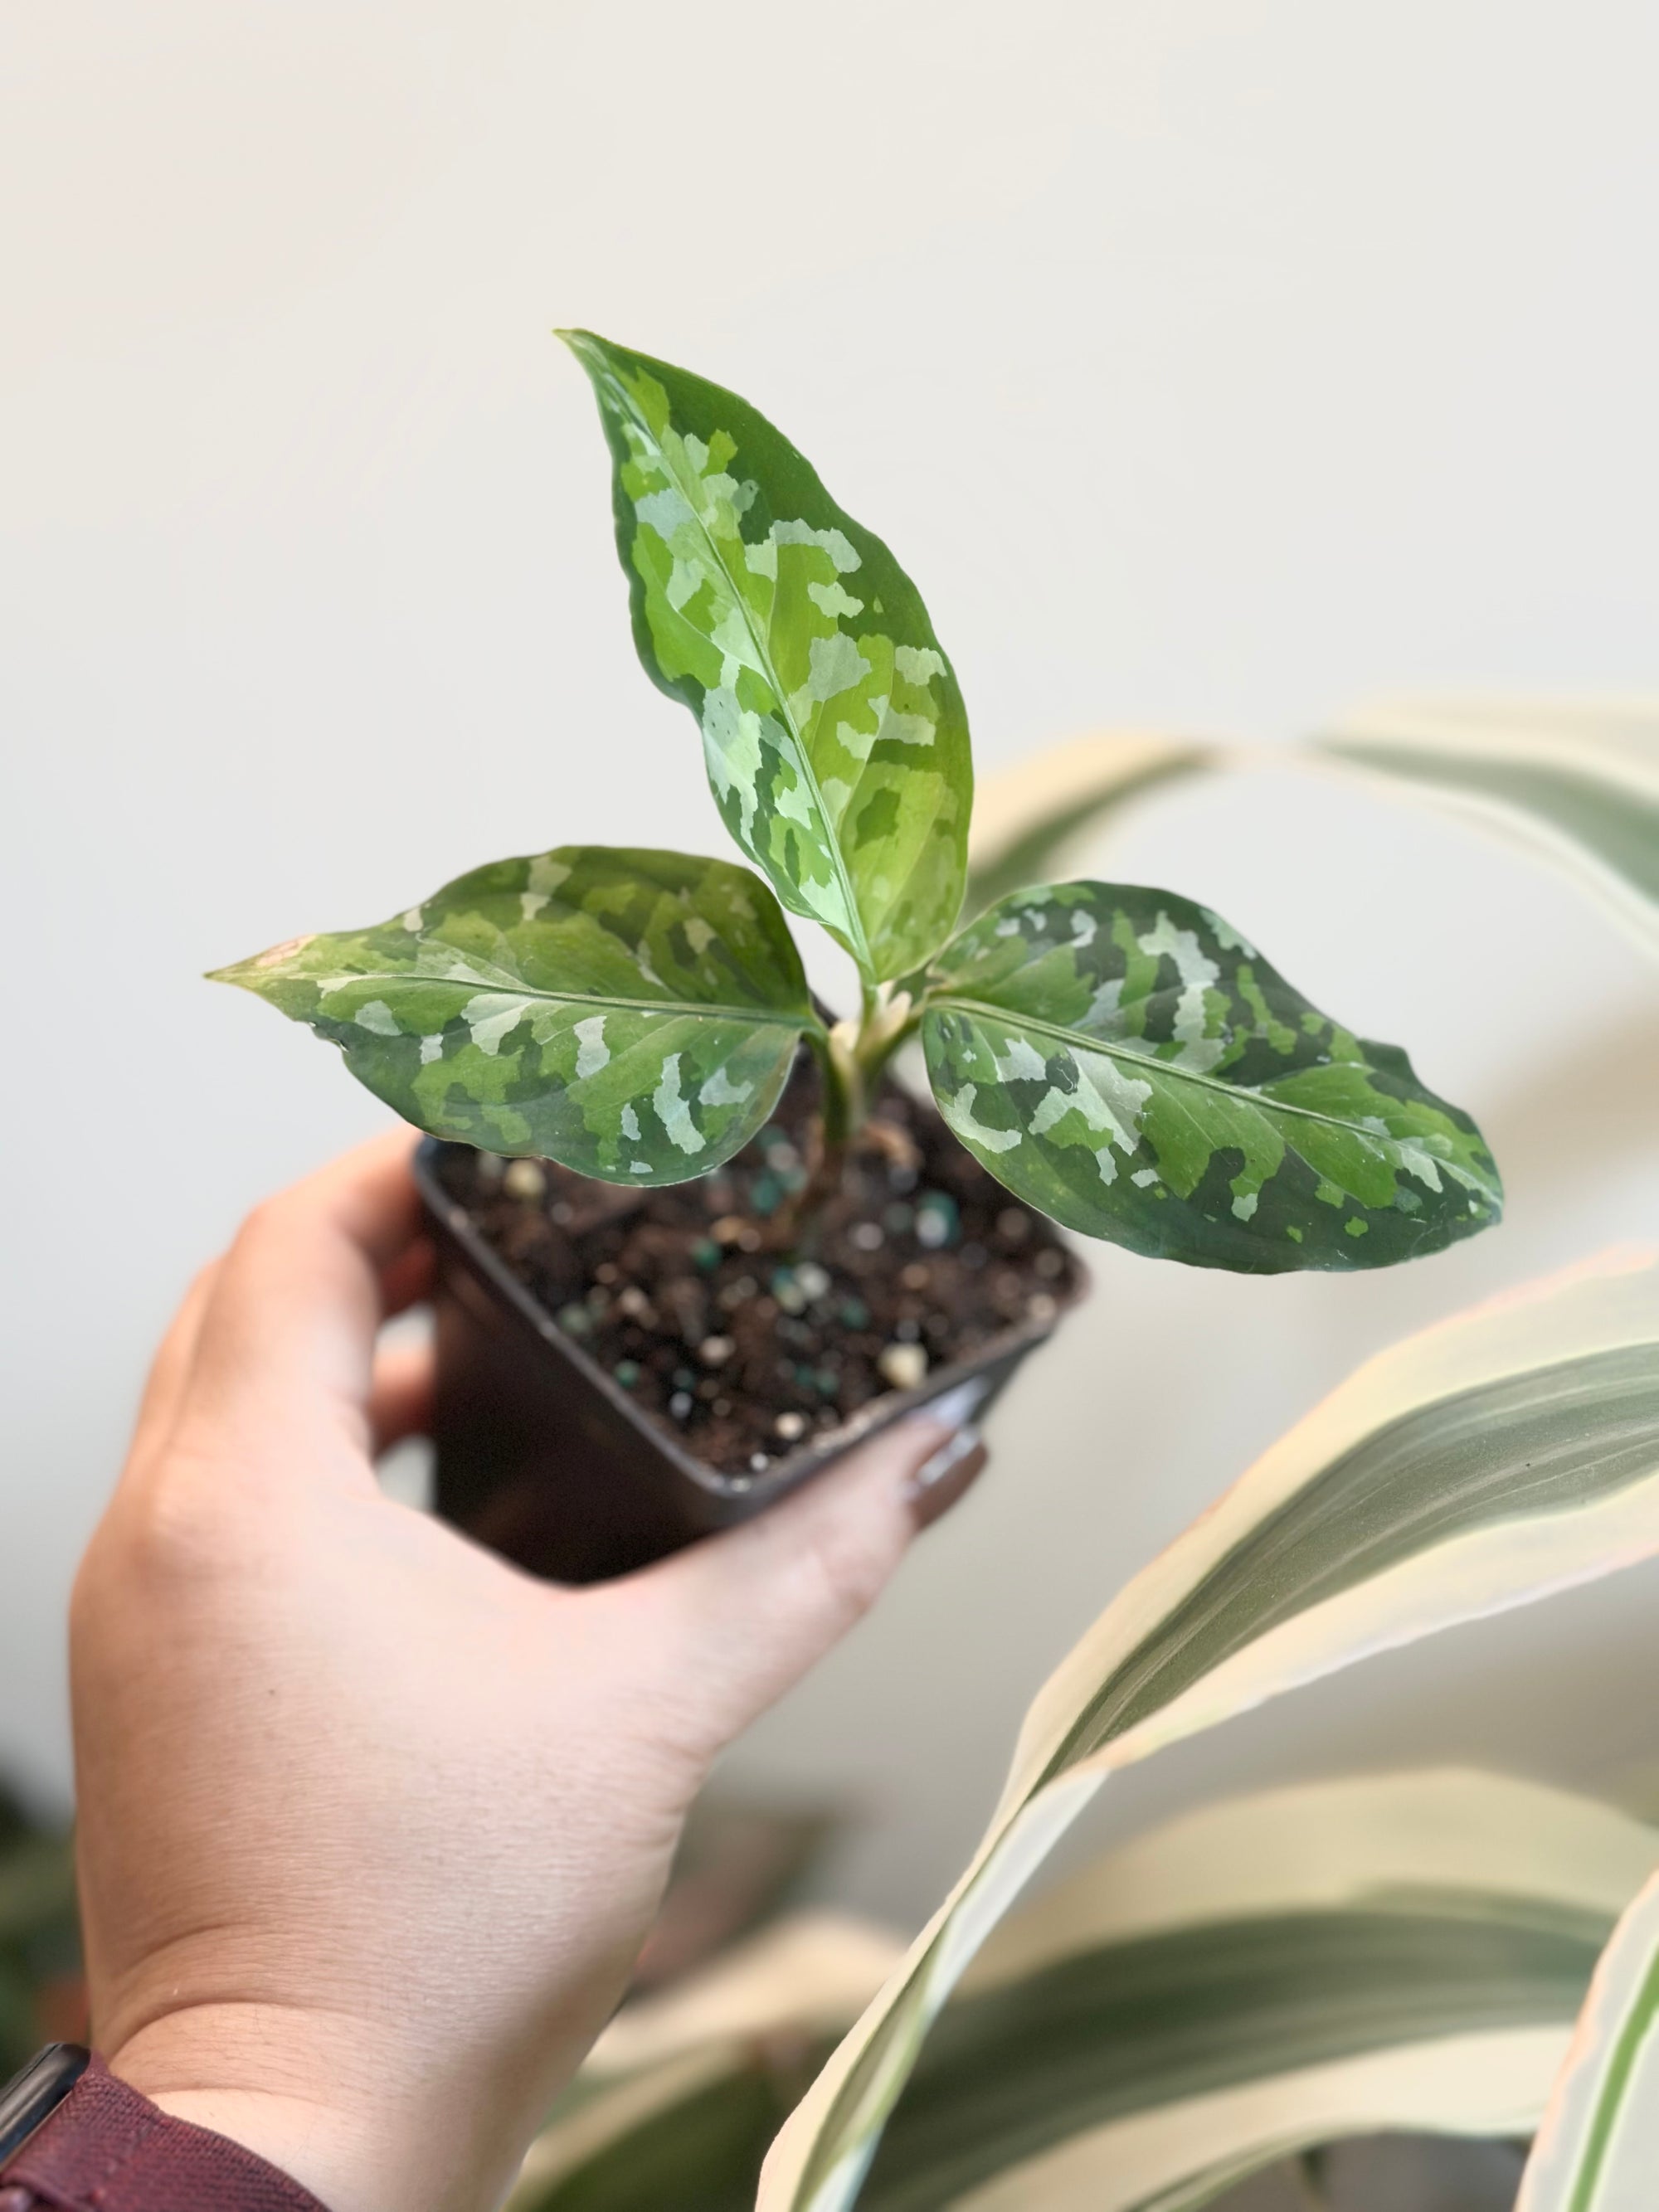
(941, 1479)
(955, 1408)
(937, 1483)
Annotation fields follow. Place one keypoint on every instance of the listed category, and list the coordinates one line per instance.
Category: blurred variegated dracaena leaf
(1483, 1464)
(40, 1941)
(1402, 1951)
(1124, 1060)
(630, 1014)
(680, 2096)
(1574, 781)
(1598, 2149)
(1029, 818)
(834, 734)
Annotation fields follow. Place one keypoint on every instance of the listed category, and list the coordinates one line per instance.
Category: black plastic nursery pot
(546, 1457)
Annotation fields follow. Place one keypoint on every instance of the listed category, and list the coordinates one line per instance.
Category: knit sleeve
(107, 2149)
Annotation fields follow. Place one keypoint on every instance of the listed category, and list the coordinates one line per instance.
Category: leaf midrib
(701, 1010)
(862, 950)
(1081, 1040)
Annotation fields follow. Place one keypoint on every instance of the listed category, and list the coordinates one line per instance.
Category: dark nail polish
(952, 1470)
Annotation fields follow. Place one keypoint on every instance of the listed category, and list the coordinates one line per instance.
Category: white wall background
(1209, 366)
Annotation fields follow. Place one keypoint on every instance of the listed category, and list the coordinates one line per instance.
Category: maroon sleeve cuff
(107, 2149)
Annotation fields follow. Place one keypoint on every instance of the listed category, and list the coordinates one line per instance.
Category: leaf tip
(252, 974)
(586, 347)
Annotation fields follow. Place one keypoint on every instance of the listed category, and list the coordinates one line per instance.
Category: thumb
(739, 1618)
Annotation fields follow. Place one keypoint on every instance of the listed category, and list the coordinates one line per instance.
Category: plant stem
(839, 1116)
(889, 1017)
(855, 1052)
(851, 1057)
(842, 1107)
(797, 1224)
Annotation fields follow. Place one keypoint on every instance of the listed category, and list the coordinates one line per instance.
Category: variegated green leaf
(1125, 1060)
(1598, 2149)
(1480, 1466)
(1030, 818)
(631, 1014)
(834, 734)
(1575, 782)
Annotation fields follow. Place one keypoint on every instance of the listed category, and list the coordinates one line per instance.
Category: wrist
(363, 2124)
(281, 2087)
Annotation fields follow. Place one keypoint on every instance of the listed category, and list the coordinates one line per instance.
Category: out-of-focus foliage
(1401, 1952)
(1573, 782)
(40, 1991)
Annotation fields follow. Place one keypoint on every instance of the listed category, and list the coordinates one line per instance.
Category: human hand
(372, 1825)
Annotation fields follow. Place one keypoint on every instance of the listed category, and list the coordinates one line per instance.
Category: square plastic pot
(545, 1458)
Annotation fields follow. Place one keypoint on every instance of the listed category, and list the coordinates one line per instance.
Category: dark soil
(746, 1338)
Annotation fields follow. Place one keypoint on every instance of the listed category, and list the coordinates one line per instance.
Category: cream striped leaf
(1029, 818)
(1499, 1456)
(1598, 2150)
(1575, 781)
(1401, 1951)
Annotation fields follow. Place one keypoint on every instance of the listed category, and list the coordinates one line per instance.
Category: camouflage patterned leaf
(1125, 1060)
(631, 1014)
(834, 734)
